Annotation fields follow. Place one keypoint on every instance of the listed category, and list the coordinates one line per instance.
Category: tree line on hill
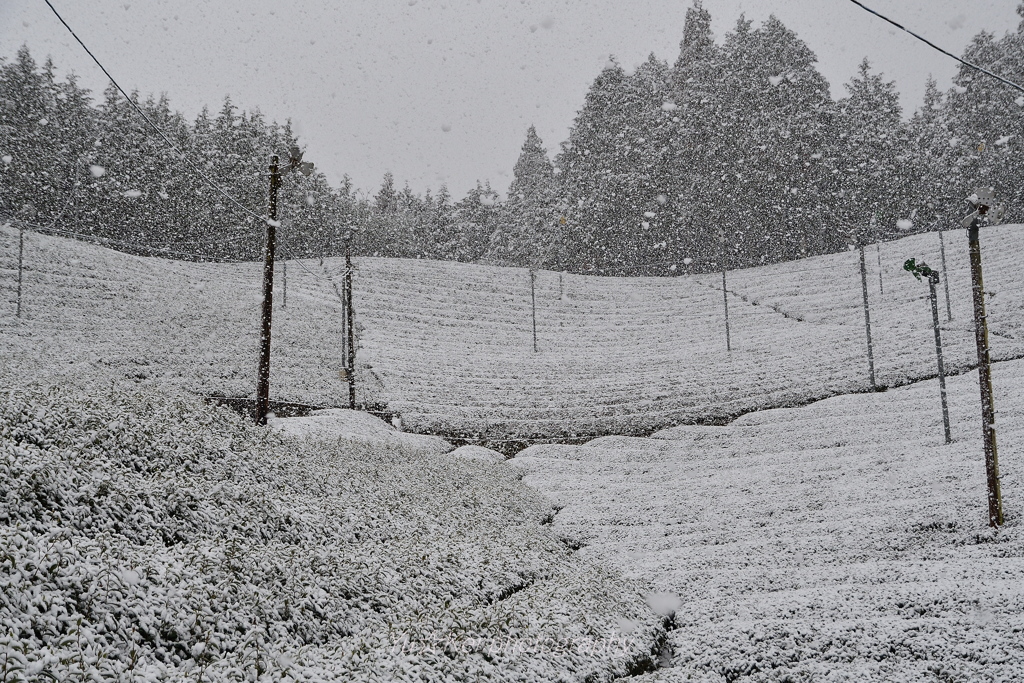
(735, 155)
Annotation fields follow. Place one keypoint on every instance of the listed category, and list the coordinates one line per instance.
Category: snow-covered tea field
(453, 343)
(841, 541)
(450, 345)
(147, 536)
(88, 309)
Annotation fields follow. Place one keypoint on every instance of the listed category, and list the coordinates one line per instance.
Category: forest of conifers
(735, 154)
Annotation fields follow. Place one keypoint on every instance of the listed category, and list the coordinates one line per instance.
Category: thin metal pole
(932, 279)
(533, 305)
(988, 409)
(881, 285)
(21, 262)
(263, 380)
(344, 326)
(725, 301)
(350, 328)
(945, 276)
(284, 283)
(867, 318)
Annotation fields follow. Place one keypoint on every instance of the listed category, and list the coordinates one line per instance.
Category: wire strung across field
(623, 309)
(936, 47)
(167, 140)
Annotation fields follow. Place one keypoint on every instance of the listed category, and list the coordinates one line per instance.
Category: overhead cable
(152, 125)
(936, 47)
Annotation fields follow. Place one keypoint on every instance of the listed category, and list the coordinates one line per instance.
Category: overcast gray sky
(442, 91)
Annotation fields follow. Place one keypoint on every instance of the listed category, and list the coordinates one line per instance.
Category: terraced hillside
(195, 325)
(841, 541)
(450, 346)
(453, 343)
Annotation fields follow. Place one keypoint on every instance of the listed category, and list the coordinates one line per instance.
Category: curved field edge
(841, 541)
(449, 345)
(148, 536)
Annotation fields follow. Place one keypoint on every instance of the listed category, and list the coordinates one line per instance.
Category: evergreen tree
(932, 162)
(875, 165)
(440, 227)
(526, 222)
(38, 175)
(475, 220)
(985, 122)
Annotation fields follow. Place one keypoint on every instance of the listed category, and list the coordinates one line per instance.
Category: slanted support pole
(263, 378)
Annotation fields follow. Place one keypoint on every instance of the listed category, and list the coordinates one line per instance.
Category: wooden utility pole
(263, 379)
(988, 409)
(350, 339)
(867, 316)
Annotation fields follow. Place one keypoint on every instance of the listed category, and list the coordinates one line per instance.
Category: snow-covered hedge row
(146, 536)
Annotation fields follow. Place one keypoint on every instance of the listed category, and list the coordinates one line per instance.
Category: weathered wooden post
(982, 201)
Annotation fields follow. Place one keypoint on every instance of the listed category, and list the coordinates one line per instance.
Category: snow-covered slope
(453, 343)
(146, 536)
(841, 541)
(450, 345)
(88, 309)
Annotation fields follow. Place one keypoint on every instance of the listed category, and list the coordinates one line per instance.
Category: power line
(936, 47)
(152, 125)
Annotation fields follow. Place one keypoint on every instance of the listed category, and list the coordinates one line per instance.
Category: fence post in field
(533, 305)
(881, 284)
(867, 315)
(945, 276)
(725, 291)
(21, 262)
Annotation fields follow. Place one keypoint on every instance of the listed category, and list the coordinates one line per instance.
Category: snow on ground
(148, 536)
(450, 347)
(453, 343)
(841, 541)
(354, 425)
(88, 310)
